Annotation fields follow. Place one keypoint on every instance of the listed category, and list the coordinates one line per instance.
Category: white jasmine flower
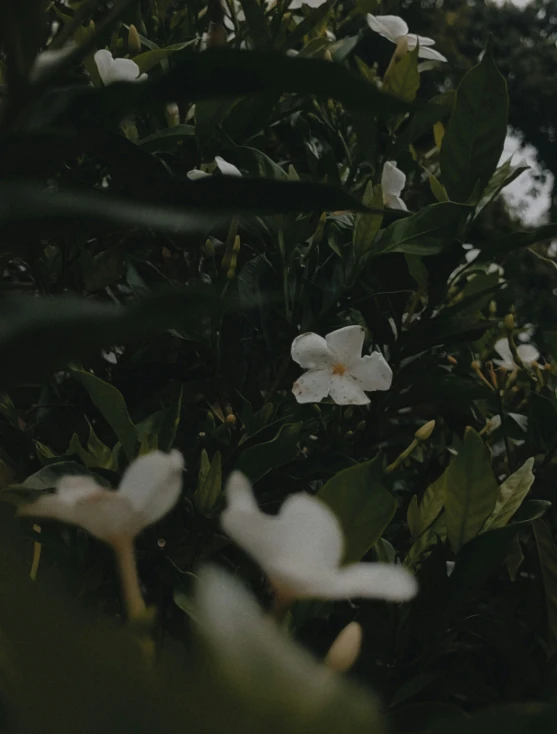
(47, 60)
(116, 70)
(392, 182)
(149, 489)
(227, 169)
(395, 29)
(301, 549)
(335, 367)
(527, 353)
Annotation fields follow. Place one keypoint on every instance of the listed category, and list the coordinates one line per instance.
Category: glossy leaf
(209, 483)
(476, 132)
(112, 406)
(367, 226)
(512, 493)
(428, 232)
(258, 460)
(362, 503)
(470, 490)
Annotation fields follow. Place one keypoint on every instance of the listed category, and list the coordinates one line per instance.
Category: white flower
(472, 254)
(47, 60)
(395, 29)
(116, 70)
(335, 367)
(227, 169)
(149, 489)
(301, 549)
(392, 182)
(297, 4)
(527, 353)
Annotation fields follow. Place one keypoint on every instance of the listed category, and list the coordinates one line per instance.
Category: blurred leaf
(512, 493)
(548, 562)
(60, 329)
(209, 483)
(367, 226)
(257, 24)
(470, 490)
(514, 240)
(258, 460)
(476, 132)
(313, 19)
(426, 233)
(362, 504)
(162, 425)
(168, 139)
(147, 60)
(112, 406)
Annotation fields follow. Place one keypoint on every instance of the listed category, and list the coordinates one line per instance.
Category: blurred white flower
(346, 649)
(335, 367)
(450, 567)
(227, 169)
(301, 548)
(297, 4)
(149, 489)
(527, 353)
(395, 29)
(47, 60)
(392, 182)
(116, 70)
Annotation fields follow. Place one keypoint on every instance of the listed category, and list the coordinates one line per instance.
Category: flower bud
(345, 650)
(423, 433)
(230, 420)
(361, 427)
(172, 114)
(509, 322)
(348, 413)
(209, 248)
(451, 359)
(134, 42)
(236, 245)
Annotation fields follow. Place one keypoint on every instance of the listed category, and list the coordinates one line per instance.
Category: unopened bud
(231, 273)
(348, 413)
(172, 114)
(91, 27)
(345, 650)
(349, 435)
(509, 322)
(423, 433)
(451, 359)
(230, 420)
(236, 245)
(475, 365)
(361, 427)
(327, 56)
(316, 409)
(209, 248)
(134, 42)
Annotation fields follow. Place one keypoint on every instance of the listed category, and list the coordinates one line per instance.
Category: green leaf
(112, 406)
(403, 79)
(162, 425)
(46, 478)
(314, 18)
(436, 533)
(168, 139)
(149, 59)
(477, 559)
(515, 240)
(512, 493)
(548, 561)
(428, 232)
(476, 132)
(258, 460)
(362, 503)
(425, 513)
(257, 24)
(470, 490)
(209, 483)
(367, 226)
(437, 189)
(437, 109)
(502, 177)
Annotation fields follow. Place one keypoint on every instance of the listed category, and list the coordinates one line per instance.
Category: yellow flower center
(339, 369)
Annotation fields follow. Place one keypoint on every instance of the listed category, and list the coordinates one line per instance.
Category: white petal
(372, 372)
(424, 40)
(392, 179)
(527, 353)
(195, 175)
(314, 3)
(124, 70)
(310, 351)
(46, 60)
(312, 386)
(346, 649)
(450, 567)
(103, 60)
(72, 488)
(295, 5)
(389, 26)
(102, 513)
(344, 390)
(471, 254)
(309, 534)
(152, 484)
(430, 53)
(373, 581)
(502, 348)
(226, 168)
(239, 493)
(346, 344)
(394, 202)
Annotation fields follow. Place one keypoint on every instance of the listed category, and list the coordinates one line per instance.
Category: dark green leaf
(548, 562)
(362, 503)
(476, 132)
(512, 493)
(258, 460)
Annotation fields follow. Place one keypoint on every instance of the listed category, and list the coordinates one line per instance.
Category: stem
(402, 457)
(504, 431)
(125, 559)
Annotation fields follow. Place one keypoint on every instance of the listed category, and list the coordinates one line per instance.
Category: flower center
(339, 369)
